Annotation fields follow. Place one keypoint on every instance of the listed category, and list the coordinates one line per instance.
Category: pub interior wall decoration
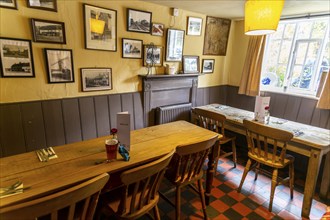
(216, 36)
(100, 28)
(59, 65)
(12, 4)
(49, 5)
(16, 57)
(139, 21)
(96, 79)
(48, 31)
(132, 48)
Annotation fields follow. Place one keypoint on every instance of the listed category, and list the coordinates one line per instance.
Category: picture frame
(11, 4)
(59, 63)
(216, 36)
(174, 45)
(132, 48)
(152, 55)
(208, 65)
(194, 26)
(139, 21)
(45, 31)
(16, 57)
(190, 64)
(100, 28)
(157, 29)
(49, 5)
(96, 79)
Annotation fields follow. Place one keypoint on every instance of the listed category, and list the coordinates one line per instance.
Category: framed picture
(12, 4)
(50, 5)
(48, 31)
(216, 36)
(190, 64)
(132, 48)
(96, 79)
(174, 45)
(194, 26)
(16, 57)
(157, 29)
(100, 28)
(208, 65)
(153, 55)
(59, 65)
(138, 21)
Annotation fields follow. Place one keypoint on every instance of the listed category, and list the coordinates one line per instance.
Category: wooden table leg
(311, 178)
(325, 183)
(211, 166)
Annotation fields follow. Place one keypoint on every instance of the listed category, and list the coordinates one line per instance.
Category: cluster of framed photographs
(100, 34)
(190, 64)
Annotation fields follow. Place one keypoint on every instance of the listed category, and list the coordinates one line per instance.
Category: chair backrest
(213, 121)
(258, 138)
(77, 202)
(144, 182)
(188, 161)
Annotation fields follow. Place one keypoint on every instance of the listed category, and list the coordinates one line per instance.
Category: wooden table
(79, 161)
(313, 143)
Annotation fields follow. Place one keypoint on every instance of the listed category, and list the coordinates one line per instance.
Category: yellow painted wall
(16, 24)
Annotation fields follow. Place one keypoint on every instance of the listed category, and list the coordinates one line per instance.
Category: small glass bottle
(267, 115)
(114, 133)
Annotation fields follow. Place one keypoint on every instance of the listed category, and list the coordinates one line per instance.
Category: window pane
(304, 30)
(285, 52)
(301, 53)
(279, 32)
(274, 50)
(289, 31)
(319, 28)
(296, 76)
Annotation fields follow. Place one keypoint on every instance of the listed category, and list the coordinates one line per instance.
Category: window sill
(291, 93)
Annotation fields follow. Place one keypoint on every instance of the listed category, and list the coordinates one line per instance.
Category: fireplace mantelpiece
(163, 90)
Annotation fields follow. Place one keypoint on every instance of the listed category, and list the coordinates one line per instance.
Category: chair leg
(272, 191)
(178, 203)
(233, 146)
(291, 175)
(201, 195)
(246, 170)
(156, 213)
(257, 171)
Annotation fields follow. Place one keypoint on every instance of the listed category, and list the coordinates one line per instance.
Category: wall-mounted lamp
(97, 26)
(262, 16)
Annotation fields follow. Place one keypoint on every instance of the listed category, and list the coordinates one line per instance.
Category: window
(295, 56)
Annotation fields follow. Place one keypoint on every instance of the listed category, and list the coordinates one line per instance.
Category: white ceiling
(234, 9)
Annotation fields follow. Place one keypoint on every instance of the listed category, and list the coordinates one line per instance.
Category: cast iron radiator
(169, 113)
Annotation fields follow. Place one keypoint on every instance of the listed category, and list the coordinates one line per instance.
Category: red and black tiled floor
(251, 203)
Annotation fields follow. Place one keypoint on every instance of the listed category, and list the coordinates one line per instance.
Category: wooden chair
(258, 136)
(186, 168)
(77, 202)
(214, 121)
(140, 191)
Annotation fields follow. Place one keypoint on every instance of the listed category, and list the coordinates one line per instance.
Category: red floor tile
(219, 206)
(287, 215)
(217, 193)
(263, 212)
(242, 209)
(237, 196)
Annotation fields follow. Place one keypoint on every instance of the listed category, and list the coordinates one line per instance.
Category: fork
(42, 156)
(11, 187)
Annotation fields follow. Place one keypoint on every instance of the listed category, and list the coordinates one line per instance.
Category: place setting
(46, 154)
(12, 189)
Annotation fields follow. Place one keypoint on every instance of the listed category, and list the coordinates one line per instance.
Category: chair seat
(277, 164)
(111, 203)
(226, 139)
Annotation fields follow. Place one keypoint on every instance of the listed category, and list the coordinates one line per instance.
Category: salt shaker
(267, 115)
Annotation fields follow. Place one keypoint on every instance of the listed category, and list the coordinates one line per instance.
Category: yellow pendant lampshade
(97, 26)
(262, 16)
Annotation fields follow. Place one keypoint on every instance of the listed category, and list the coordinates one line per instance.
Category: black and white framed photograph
(59, 64)
(132, 48)
(174, 45)
(208, 66)
(138, 21)
(194, 26)
(50, 5)
(12, 4)
(100, 28)
(48, 31)
(96, 79)
(153, 55)
(16, 57)
(157, 29)
(190, 64)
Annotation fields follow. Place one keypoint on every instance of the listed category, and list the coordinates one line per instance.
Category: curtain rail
(305, 16)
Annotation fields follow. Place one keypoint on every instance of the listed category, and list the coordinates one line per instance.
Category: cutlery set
(46, 154)
(12, 189)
